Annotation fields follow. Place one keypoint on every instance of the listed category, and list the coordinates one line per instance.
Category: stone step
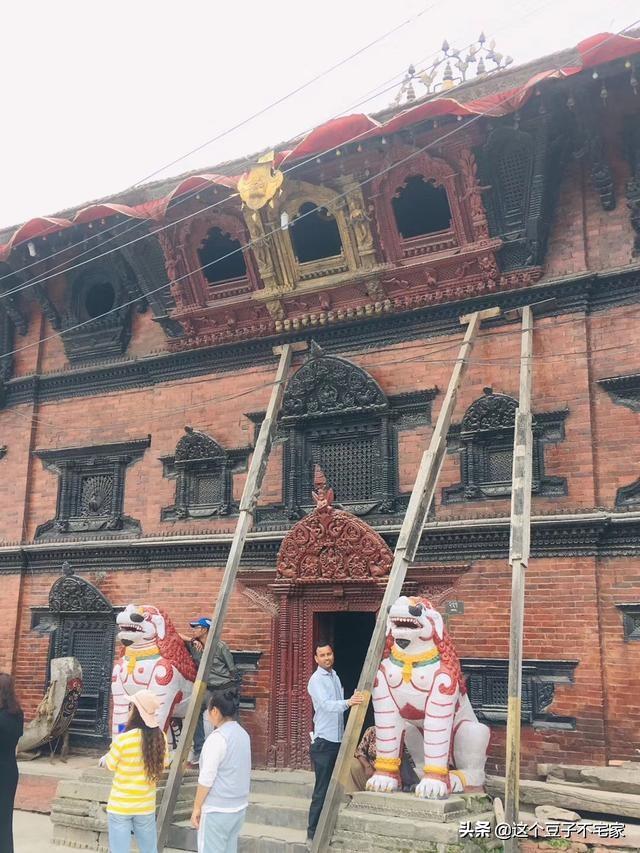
(275, 810)
(365, 831)
(287, 783)
(254, 838)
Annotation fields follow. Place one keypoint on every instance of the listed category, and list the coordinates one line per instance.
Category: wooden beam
(419, 503)
(248, 502)
(519, 547)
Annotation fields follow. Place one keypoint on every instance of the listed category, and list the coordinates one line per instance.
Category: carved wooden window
(336, 416)
(203, 256)
(484, 440)
(319, 240)
(221, 258)
(487, 687)
(630, 621)
(315, 234)
(85, 626)
(204, 476)
(520, 170)
(418, 208)
(91, 488)
(90, 327)
(421, 208)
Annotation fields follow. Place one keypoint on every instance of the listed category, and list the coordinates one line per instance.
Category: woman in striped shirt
(137, 757)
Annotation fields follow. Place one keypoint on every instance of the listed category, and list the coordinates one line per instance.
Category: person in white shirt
(329, 705)
(225, 777)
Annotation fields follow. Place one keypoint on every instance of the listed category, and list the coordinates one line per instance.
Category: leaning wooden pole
(519, 559)
(421, 497)
(247, 507)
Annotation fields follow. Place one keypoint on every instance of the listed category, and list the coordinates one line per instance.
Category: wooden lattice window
(484, 440)
(336, 416)
(487, 688)
(91, 488)
(203, 471)
(630, 621)
(515, 162)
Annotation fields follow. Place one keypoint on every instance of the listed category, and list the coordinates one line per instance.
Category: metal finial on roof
(450, 69)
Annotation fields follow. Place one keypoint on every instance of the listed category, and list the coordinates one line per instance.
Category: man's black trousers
(323, 757)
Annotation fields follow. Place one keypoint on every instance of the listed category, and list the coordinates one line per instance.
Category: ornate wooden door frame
(329, 562)
(291, 717)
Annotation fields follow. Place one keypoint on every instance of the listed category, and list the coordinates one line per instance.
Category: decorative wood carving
(331, 545)
(337, 416)
(485, 441)
(180, 245)
(91, 488)
(292, 637)
(473, 194)
(632, 150)
(204, 476)
(277, 247)
(102, 329)
(330, 385)
(487, 679)
(521, 170)
(624, 390)
(266, 601)
(388, 184)
(630, 621)
(74, 594)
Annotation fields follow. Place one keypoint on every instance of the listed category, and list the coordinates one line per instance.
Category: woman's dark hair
(8, 698)
(153, 745)
(226, 701)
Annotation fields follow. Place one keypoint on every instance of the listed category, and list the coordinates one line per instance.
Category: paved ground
(32, 834)
(39, 779)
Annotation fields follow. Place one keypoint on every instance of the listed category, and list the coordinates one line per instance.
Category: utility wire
(461, 126)
(61, 268)
(242, 123)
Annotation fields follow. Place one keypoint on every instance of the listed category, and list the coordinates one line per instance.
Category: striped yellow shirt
(131, 791)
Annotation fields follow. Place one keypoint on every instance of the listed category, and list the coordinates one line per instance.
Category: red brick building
(136, 359)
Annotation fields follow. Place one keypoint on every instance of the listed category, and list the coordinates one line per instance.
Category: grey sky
(97, 96)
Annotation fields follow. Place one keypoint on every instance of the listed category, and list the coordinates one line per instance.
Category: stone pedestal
(402, 823)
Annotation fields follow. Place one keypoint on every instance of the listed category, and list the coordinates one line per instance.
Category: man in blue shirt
(329, 705)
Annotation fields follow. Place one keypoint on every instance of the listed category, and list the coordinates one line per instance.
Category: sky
(98, 97)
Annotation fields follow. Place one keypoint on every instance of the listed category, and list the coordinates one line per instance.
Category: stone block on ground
(580, 798)
(555, 813)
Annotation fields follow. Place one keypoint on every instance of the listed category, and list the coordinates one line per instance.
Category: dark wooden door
(90, 638)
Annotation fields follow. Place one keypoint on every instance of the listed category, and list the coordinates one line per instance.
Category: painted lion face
(140, 624)
(412, 623)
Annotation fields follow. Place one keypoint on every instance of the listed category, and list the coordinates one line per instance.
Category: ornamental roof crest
(330, 545)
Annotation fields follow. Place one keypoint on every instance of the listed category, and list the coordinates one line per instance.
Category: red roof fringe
(593, 51)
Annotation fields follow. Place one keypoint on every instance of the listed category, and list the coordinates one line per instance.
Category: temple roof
(493, 95)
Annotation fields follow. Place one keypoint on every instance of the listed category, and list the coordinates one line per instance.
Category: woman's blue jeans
(143, 826)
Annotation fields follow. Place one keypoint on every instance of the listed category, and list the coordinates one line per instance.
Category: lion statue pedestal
(154, 658)
(420, 684)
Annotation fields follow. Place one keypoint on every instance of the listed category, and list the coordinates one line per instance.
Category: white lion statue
(155, 658)
(420, 683)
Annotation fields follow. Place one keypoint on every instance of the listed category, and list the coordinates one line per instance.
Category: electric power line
(461, 126)
(59, 269)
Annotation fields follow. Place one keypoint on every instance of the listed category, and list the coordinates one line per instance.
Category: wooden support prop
(421, 497)
(248, 502)
(519, 559)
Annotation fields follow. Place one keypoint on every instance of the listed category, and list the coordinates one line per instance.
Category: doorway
(350, 635)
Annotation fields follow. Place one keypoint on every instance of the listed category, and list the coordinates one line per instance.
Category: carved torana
(331, 545)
